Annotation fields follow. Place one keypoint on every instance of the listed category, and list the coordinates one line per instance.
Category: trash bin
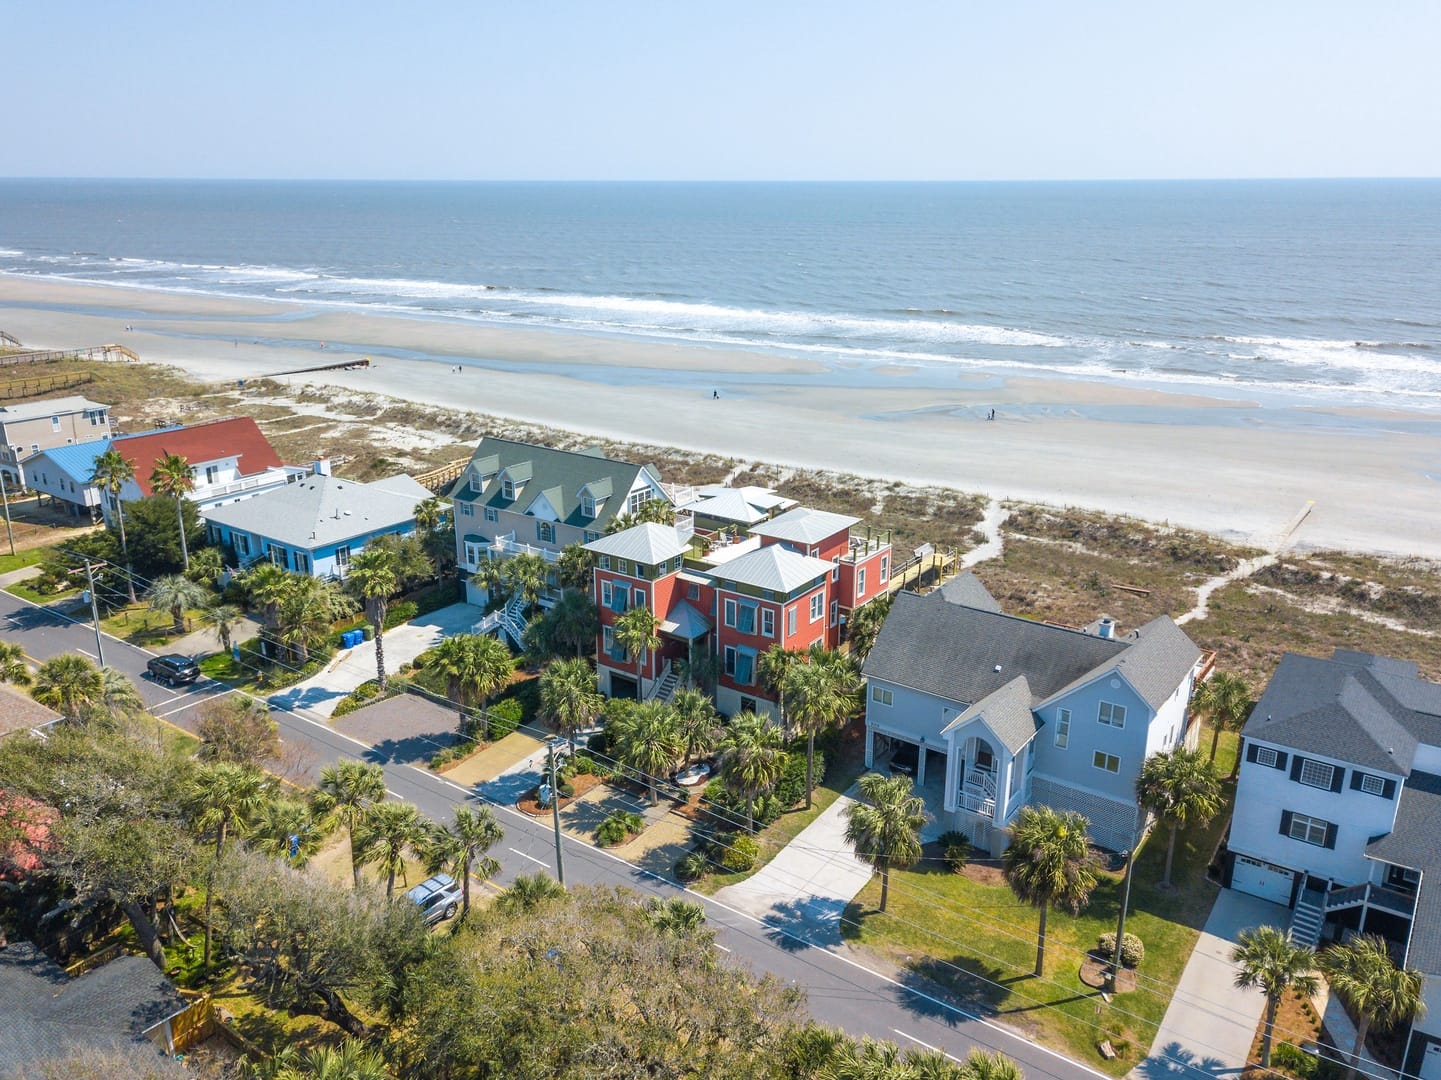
(367, 632)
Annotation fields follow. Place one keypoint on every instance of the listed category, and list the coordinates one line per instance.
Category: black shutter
(1281, 761)
(1338, 778)
(1250, 751)
(1330, 836)
(1296, 767)
(1389, 791)
(1285, 823)
(1356, 776)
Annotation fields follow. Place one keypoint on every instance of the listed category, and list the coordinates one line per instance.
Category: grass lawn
(967, 933)
(23, 590)
(141, 625)
(22, 558)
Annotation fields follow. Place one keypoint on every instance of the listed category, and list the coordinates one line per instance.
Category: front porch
(1329, 911)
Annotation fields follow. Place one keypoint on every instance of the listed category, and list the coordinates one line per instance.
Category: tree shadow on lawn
(951, 991)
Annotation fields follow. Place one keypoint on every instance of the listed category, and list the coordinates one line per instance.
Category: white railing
(659, 684)
(270, 478)
(680, 494)
(508, 545)
(978, 793)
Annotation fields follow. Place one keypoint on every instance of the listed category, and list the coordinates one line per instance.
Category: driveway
(406, 727)
(1209, 1026)
(351, 667)
(809, 882)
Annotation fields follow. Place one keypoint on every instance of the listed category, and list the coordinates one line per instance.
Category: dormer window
(587, 505)
(477, 483)
(509, 488)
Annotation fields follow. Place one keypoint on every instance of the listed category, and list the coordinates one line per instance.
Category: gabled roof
(762, 498)
(563, 472)
(1353, 707)
(1415, 842)
(1007, 712)
(1158, 660)
(954, 652)
(685, 622)
(49, 1015)
(319, 510)
(77, 461)
(772, 567)
(804, 525)
(238, 437)
(36, 410)
(646, 543)
(21, 712)
(966, 589)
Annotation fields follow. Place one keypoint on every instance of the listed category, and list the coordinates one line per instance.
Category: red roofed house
(229, 460)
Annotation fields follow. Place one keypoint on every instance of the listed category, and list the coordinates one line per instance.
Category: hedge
(1132, 950)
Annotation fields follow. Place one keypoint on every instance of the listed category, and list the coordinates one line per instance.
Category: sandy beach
(1237, 468)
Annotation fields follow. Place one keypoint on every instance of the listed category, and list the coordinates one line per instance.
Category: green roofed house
(516, 498)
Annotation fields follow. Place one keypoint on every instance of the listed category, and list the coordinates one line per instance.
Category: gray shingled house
(1008, 711)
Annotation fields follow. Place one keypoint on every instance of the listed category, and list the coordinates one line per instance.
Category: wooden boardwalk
(86, 352)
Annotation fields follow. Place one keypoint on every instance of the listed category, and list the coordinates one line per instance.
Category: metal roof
(773, 567)
(646, 543)
(804, 525)
(37, 410)
(685, 622)
(726, 505)
(319, 510)
(77, 461)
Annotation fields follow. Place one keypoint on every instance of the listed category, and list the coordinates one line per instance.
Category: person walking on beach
(715, 395)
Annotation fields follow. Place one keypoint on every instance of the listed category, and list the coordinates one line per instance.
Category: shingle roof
(647, 543)
(1007, 712)
(804, 525)
(966, 589)
(545, 470)
(77, 460)
(1338, 709)
(1415, 842)
(48, 1014)
(1158, 660)
(319, 510)
(953, 652)
(34, 410)
(237, 437)
(772, 567)
(20, 712)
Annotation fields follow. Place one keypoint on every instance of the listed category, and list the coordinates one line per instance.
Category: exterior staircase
(509, 620)
(978, 793)
(664, 688)
(1307, 917)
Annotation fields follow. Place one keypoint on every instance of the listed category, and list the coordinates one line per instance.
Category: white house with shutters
(1338, 812)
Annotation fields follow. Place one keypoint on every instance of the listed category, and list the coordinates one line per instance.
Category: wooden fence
(436, 479)
(18, 389)
(88, 352)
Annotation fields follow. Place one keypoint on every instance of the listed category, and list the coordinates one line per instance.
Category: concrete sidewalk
(809, 882)
(1209, 1026)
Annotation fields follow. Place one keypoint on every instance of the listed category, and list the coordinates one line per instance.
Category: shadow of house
(49, 1016)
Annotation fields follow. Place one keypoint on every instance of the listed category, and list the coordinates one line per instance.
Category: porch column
(870, 746)
(921, 764)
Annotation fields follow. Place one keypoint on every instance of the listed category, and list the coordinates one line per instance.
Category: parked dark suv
(173, 670)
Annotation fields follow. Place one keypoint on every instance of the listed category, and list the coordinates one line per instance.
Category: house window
(490, 514)
(241, 542)
(861, 581)
(791, 621)
(745, 618)
(622, 566)
(835, 568)
(466, 509)
(279, 557)
(730, 619)
(508, 489)
(640, 598)
(881, 695)
(587, 505)
(1373, 785)
(885, 568)
(1106, 762)
(1063, 728)
(740, 665)
(212, 473)
(768, 622)
(605, 562)
(1317, 774)
(302, 562)
(637, 500)
(612, 649)
(1112, 715)
(1266, 756)
(642, 571)
(477, 482)
(818, 606)
(835, 612)
(1309, 830)
(472, 553)
(545, 532)
(692, 592)
(55, 423)
(342, 556)
(591, 537)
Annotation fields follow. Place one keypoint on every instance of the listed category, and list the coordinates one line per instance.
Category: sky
(741, 90)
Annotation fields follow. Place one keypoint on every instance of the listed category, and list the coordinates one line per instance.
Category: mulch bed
(1296, 1023)
(1093, 974)
(529, 804)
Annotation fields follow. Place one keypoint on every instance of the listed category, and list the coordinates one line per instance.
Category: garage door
(1263, 879)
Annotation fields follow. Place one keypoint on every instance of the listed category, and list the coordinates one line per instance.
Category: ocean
(1311, 291)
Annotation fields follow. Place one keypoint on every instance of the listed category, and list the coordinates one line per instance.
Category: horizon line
(694, 181)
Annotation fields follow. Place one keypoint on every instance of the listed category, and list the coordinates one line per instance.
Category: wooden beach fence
(87, 352)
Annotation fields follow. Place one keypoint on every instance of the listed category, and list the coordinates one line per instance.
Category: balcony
(861, 548)
(253, 484)
(978, 793)
(508, 545)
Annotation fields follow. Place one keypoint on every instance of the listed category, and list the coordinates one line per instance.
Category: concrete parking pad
(406, 727)
(582, 817)
(497, 759)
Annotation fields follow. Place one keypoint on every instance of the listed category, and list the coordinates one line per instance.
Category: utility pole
(1125, 904)
(555, 815)
(95, 614)
(5, 498)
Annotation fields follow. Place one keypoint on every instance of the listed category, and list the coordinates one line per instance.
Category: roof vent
(1106, 628)
(998, 667)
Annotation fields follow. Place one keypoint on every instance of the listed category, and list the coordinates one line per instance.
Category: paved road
(842, 991)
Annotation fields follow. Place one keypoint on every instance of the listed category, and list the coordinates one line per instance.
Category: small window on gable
(1112, 715)
(1063, 728)
(1266, 756)
(508, 488)
(881, 695)
(587, 505)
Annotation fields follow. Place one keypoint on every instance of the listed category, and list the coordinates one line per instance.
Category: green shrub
(1132, 949)
(451, 753)
(618, 828)
(582, 764)
(598, 744)
(791, 788)
(401, 612)
(741, 855)
(1294, 1060)
(363, 694)
(692, 866)
(505, 717)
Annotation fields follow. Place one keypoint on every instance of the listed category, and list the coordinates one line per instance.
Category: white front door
(1263, 879)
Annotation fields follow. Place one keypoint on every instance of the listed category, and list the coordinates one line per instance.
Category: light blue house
(1007, 711)
(317, 524)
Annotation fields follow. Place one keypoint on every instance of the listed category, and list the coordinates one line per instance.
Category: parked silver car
(437, 897)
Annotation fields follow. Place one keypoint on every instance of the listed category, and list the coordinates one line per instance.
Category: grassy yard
(967, 933)
(23, 590)
(140, 625)
(22, 558)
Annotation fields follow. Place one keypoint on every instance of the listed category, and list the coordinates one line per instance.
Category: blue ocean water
(1310, 290)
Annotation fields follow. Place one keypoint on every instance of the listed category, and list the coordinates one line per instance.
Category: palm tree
(772, 668)
(1049, 863)
(13, 668)
(351, 1060)
(111, 473)
(637, 632)
(206, 567)
(576, 566)
(174, 593)
(1381, 993)
(753, 759)
(489, 575)
(1225, 700)
(308, 608)
(429, 513)
(527, 576)
(223, 795)
(347, 790)
(990, 1065)
(461, 847)
(1266, 960)
(486, 674)
(71, 685)
(568, 697)
(289, 829)
(172, 477)
(225, 617)
(682, 918)
(373, 579)
(696, 721)
(119, 695)
(574, 622)
(265, 587)
(1179, 788)
(528, 892)
(885, 830)
(387, 831)
(863, 625)
(648, 741)
(822, 693)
